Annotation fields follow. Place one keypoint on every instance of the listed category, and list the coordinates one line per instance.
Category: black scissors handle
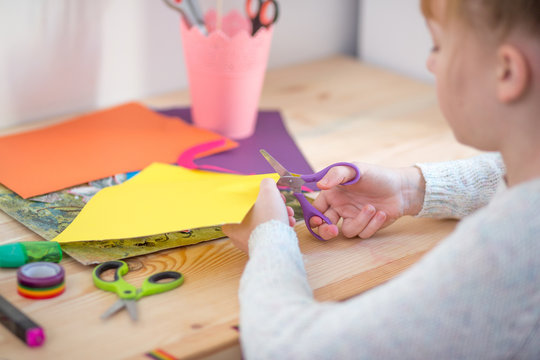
(260, 18)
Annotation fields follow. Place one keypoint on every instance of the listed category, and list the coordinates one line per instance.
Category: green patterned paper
(54, 212)
(48, 219)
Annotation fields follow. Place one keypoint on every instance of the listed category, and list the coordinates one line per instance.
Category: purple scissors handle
(308, 209)
(295, 182)
(319, 175)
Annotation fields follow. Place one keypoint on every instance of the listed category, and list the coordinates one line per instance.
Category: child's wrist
(413, 190)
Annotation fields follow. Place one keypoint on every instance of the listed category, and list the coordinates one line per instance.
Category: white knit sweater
(474, 296)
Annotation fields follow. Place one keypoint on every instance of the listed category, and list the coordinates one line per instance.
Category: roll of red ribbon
(40, 280)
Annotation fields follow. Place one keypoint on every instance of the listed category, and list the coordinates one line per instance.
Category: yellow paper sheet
(164, 198)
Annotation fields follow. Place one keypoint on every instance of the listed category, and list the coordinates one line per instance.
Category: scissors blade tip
(278, 168)
(113, 309)
(132, 309)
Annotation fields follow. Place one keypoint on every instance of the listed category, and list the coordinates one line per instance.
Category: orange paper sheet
(94, 146)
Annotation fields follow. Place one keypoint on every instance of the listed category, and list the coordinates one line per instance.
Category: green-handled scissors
(128, 293)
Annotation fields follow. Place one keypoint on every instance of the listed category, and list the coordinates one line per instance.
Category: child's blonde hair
(501, 16)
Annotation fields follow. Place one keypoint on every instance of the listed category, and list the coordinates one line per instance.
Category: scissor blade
(280, 169)
(292, 182)
(132, 309)
(114, 308)
(196, 10)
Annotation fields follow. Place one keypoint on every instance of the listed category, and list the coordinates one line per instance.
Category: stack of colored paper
(105, 143)
(162, 198)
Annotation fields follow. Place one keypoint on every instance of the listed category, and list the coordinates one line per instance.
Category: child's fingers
(335, 176)
(329, 212)
(320, 203)
(352, 227)
(332, 215)
(292, 221)
(315, 221)
(290, 211)
(328, 231)
(377, 221)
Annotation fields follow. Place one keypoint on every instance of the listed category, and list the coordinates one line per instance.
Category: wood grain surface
(337, 109)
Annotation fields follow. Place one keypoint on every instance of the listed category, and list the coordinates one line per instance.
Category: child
(477, 294)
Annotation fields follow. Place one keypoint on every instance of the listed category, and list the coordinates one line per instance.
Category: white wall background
(393, 35)
(61, 56)
(64, 56)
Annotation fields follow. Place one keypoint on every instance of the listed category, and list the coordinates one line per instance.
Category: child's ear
(513, 73)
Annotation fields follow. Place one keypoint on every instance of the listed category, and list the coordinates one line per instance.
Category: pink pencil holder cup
(226, 72)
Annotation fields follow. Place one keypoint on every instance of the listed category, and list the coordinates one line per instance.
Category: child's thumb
(336, 176)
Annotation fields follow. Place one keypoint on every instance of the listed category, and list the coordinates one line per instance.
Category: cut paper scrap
(270, 134)
(164, 198)
(186, 159)
(117, 140)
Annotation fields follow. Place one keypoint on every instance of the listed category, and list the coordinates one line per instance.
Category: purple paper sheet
(270, 134)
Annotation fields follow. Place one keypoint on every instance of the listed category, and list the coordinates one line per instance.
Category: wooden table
(337, 109)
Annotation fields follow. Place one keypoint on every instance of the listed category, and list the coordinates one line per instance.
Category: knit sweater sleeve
(457, 188)
(474, 296)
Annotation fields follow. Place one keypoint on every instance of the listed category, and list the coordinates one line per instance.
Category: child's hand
(380, 197)
(270, 205)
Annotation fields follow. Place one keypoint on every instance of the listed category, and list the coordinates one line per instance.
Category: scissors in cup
(129, 294)
(191, 12)
(295, 182)
(259, 17)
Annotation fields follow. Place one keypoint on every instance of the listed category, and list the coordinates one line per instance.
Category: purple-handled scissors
(295, 182)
